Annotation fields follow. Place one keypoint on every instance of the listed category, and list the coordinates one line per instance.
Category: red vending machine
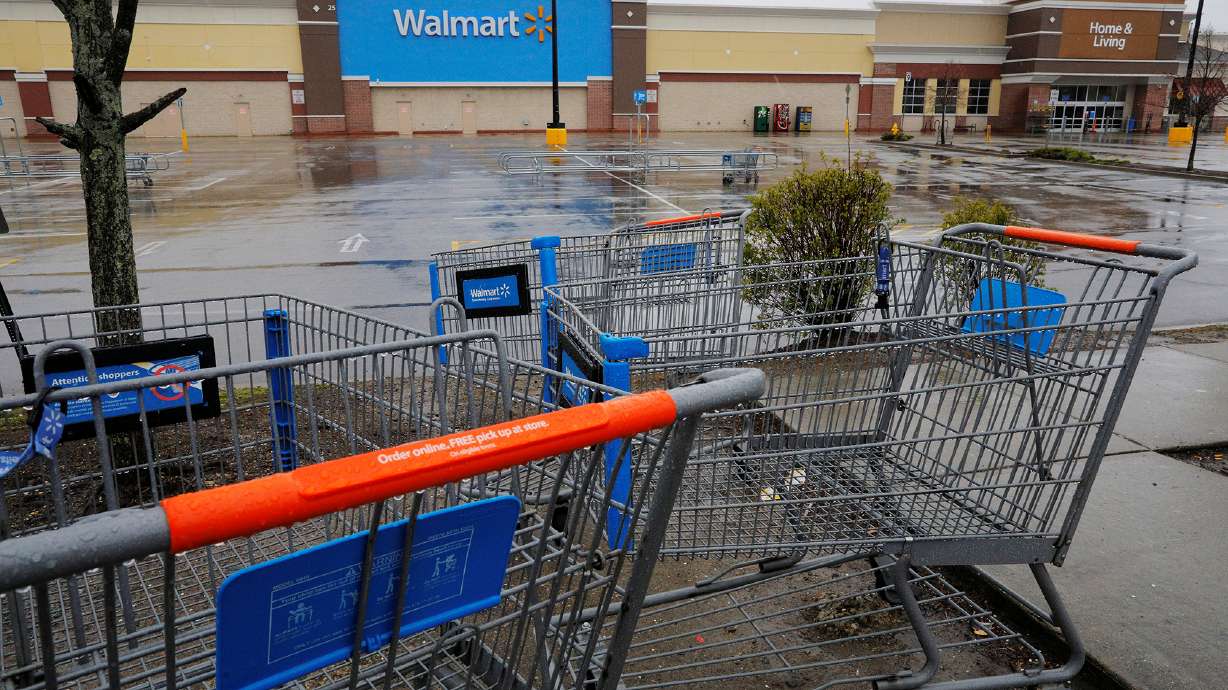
(780, 117)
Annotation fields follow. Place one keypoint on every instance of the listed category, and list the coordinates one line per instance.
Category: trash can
(805, 115)
(763, 118)
(780, 117)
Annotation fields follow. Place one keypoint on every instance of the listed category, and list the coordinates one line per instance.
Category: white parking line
(636, 186)
(150, 248)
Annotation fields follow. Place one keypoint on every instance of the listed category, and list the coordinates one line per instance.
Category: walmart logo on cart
(444, 24)
(500, 291)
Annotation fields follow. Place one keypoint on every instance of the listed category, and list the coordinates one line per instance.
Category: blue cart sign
(667, 257)
(280, 620)
(641, 96)
(495, 291)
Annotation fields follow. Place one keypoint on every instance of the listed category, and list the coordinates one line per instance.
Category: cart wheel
(148, 182)
(882, 580)
(727, 179)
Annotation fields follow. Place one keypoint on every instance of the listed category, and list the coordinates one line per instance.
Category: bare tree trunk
(112, 260)
(1194, 143)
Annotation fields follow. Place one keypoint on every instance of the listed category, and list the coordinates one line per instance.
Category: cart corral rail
(137, 166)
(742, 163)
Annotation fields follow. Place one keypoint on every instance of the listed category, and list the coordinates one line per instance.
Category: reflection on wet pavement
(274, 214)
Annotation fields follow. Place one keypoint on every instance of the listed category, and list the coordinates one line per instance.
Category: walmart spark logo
(547, 24)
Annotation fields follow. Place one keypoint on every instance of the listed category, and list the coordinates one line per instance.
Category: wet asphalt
(353, 222)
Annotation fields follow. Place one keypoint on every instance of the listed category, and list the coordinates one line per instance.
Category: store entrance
(1082, 107)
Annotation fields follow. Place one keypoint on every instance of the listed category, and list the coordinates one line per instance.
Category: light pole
(556, 132)
(1189, 65)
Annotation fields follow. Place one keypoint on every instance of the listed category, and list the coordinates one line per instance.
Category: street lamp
(556, 132)
(1192, 40)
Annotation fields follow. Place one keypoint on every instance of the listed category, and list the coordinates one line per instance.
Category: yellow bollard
(1226, 135)
(556, 137)
(988, 133)
(1180, 135)
(895, 129)
(846, 128)
(183, 138)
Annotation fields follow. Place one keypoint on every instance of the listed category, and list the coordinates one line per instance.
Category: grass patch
(1065, 153)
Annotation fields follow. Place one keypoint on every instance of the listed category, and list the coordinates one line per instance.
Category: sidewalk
(1151, 149)
(1143, 581)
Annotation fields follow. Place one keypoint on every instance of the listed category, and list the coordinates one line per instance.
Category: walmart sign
(472, 41)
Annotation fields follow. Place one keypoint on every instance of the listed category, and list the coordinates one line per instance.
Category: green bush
(1062, 153)
(830, 214)
(898, 136)
(963, 276)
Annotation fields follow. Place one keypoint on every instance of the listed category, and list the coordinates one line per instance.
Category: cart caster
(727, 179)
(147, 182)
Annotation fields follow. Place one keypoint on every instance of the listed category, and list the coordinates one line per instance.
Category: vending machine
(805, 116)
(780, 117)
(763, 118)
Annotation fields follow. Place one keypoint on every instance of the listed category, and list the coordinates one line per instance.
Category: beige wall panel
(208, 106)
(995, 96)
(729, 106)
(705, 51)
(933, 28)
(438, 109)
(11, 108)
(34, 46)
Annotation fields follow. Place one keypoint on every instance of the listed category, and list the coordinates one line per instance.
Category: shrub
(962, 276)
(830, 214)
(897, 136)
(1062, 153)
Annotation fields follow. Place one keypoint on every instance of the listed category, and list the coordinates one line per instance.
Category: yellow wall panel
(961, 98)
(995, 96)
(723, 51)
(34, 46)
(897, 107)
(932, 28)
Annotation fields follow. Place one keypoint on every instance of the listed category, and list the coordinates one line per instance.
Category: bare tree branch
(135, 119)
(70, 135)
(121, 40)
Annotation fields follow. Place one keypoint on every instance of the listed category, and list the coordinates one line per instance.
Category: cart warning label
(126, 402)
(280, 620)
(493, 292)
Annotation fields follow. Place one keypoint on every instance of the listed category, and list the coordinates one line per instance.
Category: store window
(978, 97)
(914, 97)
(946, 95)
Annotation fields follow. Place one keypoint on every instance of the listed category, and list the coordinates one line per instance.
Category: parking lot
(238, 216)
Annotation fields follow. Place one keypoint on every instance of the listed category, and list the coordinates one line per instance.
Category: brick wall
(600, 105)
(325, 125)
(357, 94)
(1015, 102)
(1150, 102)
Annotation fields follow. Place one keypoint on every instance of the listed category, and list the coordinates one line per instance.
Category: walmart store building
(472, 66)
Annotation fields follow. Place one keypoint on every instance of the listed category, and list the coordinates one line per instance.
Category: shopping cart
(500, 284)
(927, 405)
(233, 568)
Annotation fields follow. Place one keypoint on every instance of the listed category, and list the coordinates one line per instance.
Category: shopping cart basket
(500, 284)
(928, 400)
(294, 577)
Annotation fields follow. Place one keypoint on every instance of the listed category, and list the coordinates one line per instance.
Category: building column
(321, 50)
(600, 104)
(628, 24)
(357, 93)
(1150, 104)
(35, 102)
(877, 99)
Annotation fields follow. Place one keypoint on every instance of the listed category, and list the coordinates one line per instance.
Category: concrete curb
(1027, 621)
(1137, 167)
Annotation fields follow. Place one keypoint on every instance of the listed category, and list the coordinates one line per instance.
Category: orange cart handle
(682, 219)
(215, 515)
(1073, 239)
